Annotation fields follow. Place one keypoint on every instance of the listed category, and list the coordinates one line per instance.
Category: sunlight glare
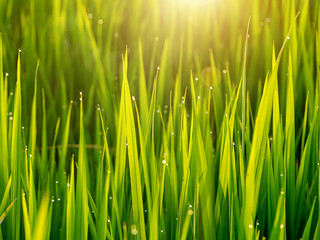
(195, 2)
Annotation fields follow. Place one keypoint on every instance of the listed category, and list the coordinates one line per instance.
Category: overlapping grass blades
(168, 153)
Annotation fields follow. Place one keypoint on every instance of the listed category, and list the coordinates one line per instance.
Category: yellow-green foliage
(159, 119)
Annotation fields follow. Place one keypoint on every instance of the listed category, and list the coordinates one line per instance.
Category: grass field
(159, 119)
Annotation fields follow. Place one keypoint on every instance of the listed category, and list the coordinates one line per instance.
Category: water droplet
(134, 230)
(7, 74)
(110, 197)
(10, 118)
(161, 230)
(198, 97)
(11, 93)
(10, 113)
(196, 79)
(163, 161)
(271, 138)
(282, 192)
(165, 111)
(108, 220)
(22, 127)
(20, 50)
(57, 182)
(190, 212)
(224, 71)
(207, 112)
(211, 87)
(59, 199)
(133, 98)
(100, 21)
(288, 37)
(250, 226)
(31, 155)
(281, 174)
(257, 223)
(90, 15)
(183, 102)
(226, 115)
(210, 132)
(126, 144)
(158, 67)
(145, 210)
(233, 143)
(68, 184)
(190, 206)
(52, 200)
(177, 219)
(116, 35)
(281, 226)
(158, 111)
(268, 20)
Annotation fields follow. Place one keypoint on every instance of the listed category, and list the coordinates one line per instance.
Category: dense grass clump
(170, 119)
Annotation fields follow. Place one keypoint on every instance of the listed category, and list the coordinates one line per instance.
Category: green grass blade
(81, 210)
(244, 80)
(15, 155)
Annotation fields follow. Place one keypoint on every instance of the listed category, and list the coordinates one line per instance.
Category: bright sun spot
(195, 2)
